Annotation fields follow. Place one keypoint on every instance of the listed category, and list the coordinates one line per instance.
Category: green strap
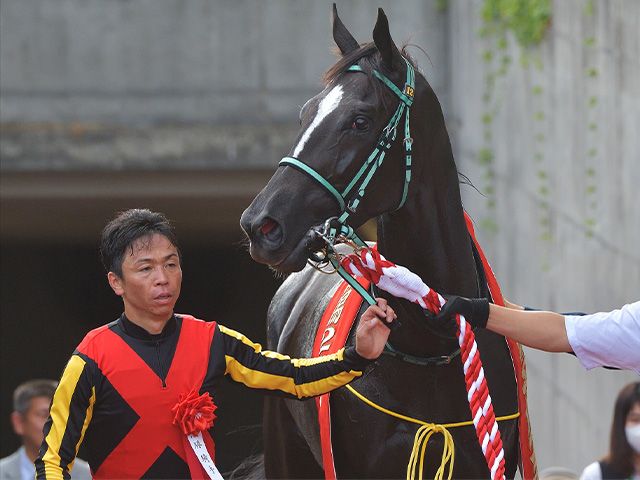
(353, 282)
(294, 162)
(384, 143)
(408, 143)
(407, 99)
(361, 172)
(374, 161)
(388, 138)
(401, 95)
(354, 236)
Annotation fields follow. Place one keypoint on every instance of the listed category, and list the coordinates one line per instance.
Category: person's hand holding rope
(474, 310)
(373, 329)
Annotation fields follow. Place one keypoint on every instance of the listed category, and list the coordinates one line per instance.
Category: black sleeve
(247, 363)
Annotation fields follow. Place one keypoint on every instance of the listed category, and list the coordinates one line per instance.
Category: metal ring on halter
(314, 257)
(316, 261)
(323, 232)
(321, 267)
(320, 264)
(347, 241)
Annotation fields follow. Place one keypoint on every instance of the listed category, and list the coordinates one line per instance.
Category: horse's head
(340, 128)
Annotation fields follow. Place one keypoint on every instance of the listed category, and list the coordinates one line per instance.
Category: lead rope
(401, 282)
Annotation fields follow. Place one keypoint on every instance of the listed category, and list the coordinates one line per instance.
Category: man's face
(151, 279)
(29, 424)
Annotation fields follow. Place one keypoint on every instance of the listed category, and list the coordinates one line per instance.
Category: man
(30, 410)
(610, 339)
(139, 391)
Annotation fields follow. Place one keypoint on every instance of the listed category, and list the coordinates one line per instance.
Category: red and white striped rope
(401, 282)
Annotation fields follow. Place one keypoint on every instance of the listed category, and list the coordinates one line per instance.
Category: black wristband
(479, 312)
(354, 360)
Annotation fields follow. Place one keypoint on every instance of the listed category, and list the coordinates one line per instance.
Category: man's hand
(373, 329)
(474, 310)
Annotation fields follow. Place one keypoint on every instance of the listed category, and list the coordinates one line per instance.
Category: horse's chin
(294, 261)
(286, 262)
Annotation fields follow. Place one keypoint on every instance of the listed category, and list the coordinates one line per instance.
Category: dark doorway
(52, 295)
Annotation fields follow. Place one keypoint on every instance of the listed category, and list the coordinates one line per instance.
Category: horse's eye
(360, 123)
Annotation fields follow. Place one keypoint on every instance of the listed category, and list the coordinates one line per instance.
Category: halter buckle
(323, 232)
(352, 206)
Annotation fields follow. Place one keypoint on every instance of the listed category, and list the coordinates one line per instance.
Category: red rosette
(194, 413)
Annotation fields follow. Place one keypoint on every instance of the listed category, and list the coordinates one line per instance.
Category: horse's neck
(429, 235)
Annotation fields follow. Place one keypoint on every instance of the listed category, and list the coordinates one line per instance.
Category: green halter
(347, 200)
(363, 177)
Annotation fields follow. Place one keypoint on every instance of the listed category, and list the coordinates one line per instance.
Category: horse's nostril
(269, 233)
(267, 226)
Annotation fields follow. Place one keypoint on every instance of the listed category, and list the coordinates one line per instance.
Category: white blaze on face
(327, 105)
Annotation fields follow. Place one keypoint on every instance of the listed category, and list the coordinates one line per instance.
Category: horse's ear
(383, 41)
(344, 40)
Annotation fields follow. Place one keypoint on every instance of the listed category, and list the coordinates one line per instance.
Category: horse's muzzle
(265, 231)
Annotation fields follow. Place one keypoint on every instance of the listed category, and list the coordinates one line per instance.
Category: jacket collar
(138, 332)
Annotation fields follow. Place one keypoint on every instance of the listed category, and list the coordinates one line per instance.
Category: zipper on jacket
(162, 375)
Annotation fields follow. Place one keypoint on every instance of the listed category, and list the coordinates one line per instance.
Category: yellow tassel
(416, 460)
(422, 437)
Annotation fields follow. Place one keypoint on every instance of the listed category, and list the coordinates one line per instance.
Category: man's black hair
(127, 227)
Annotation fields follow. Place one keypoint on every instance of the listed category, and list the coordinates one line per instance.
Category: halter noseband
(374, 161)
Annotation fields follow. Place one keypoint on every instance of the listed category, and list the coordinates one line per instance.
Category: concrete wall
(81, 71)
(576, 266)
(193, 91)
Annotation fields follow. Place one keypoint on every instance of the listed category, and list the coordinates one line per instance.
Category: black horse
(339, 129)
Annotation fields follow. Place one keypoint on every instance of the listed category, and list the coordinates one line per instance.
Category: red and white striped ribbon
(401, 282)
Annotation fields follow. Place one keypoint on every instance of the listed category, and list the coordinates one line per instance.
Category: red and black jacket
(116, 393)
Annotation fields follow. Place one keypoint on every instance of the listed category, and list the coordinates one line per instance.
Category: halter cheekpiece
(349, 199)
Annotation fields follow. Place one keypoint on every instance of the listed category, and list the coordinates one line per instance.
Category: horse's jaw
(288, 259)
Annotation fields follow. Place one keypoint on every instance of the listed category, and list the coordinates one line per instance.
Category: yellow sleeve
(69, 416)
(247, 363)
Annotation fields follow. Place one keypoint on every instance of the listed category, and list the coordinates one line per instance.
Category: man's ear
(115, 282)
(16, 421)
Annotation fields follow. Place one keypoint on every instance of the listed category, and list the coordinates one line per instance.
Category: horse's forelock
(367, 57)
(364, 52)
